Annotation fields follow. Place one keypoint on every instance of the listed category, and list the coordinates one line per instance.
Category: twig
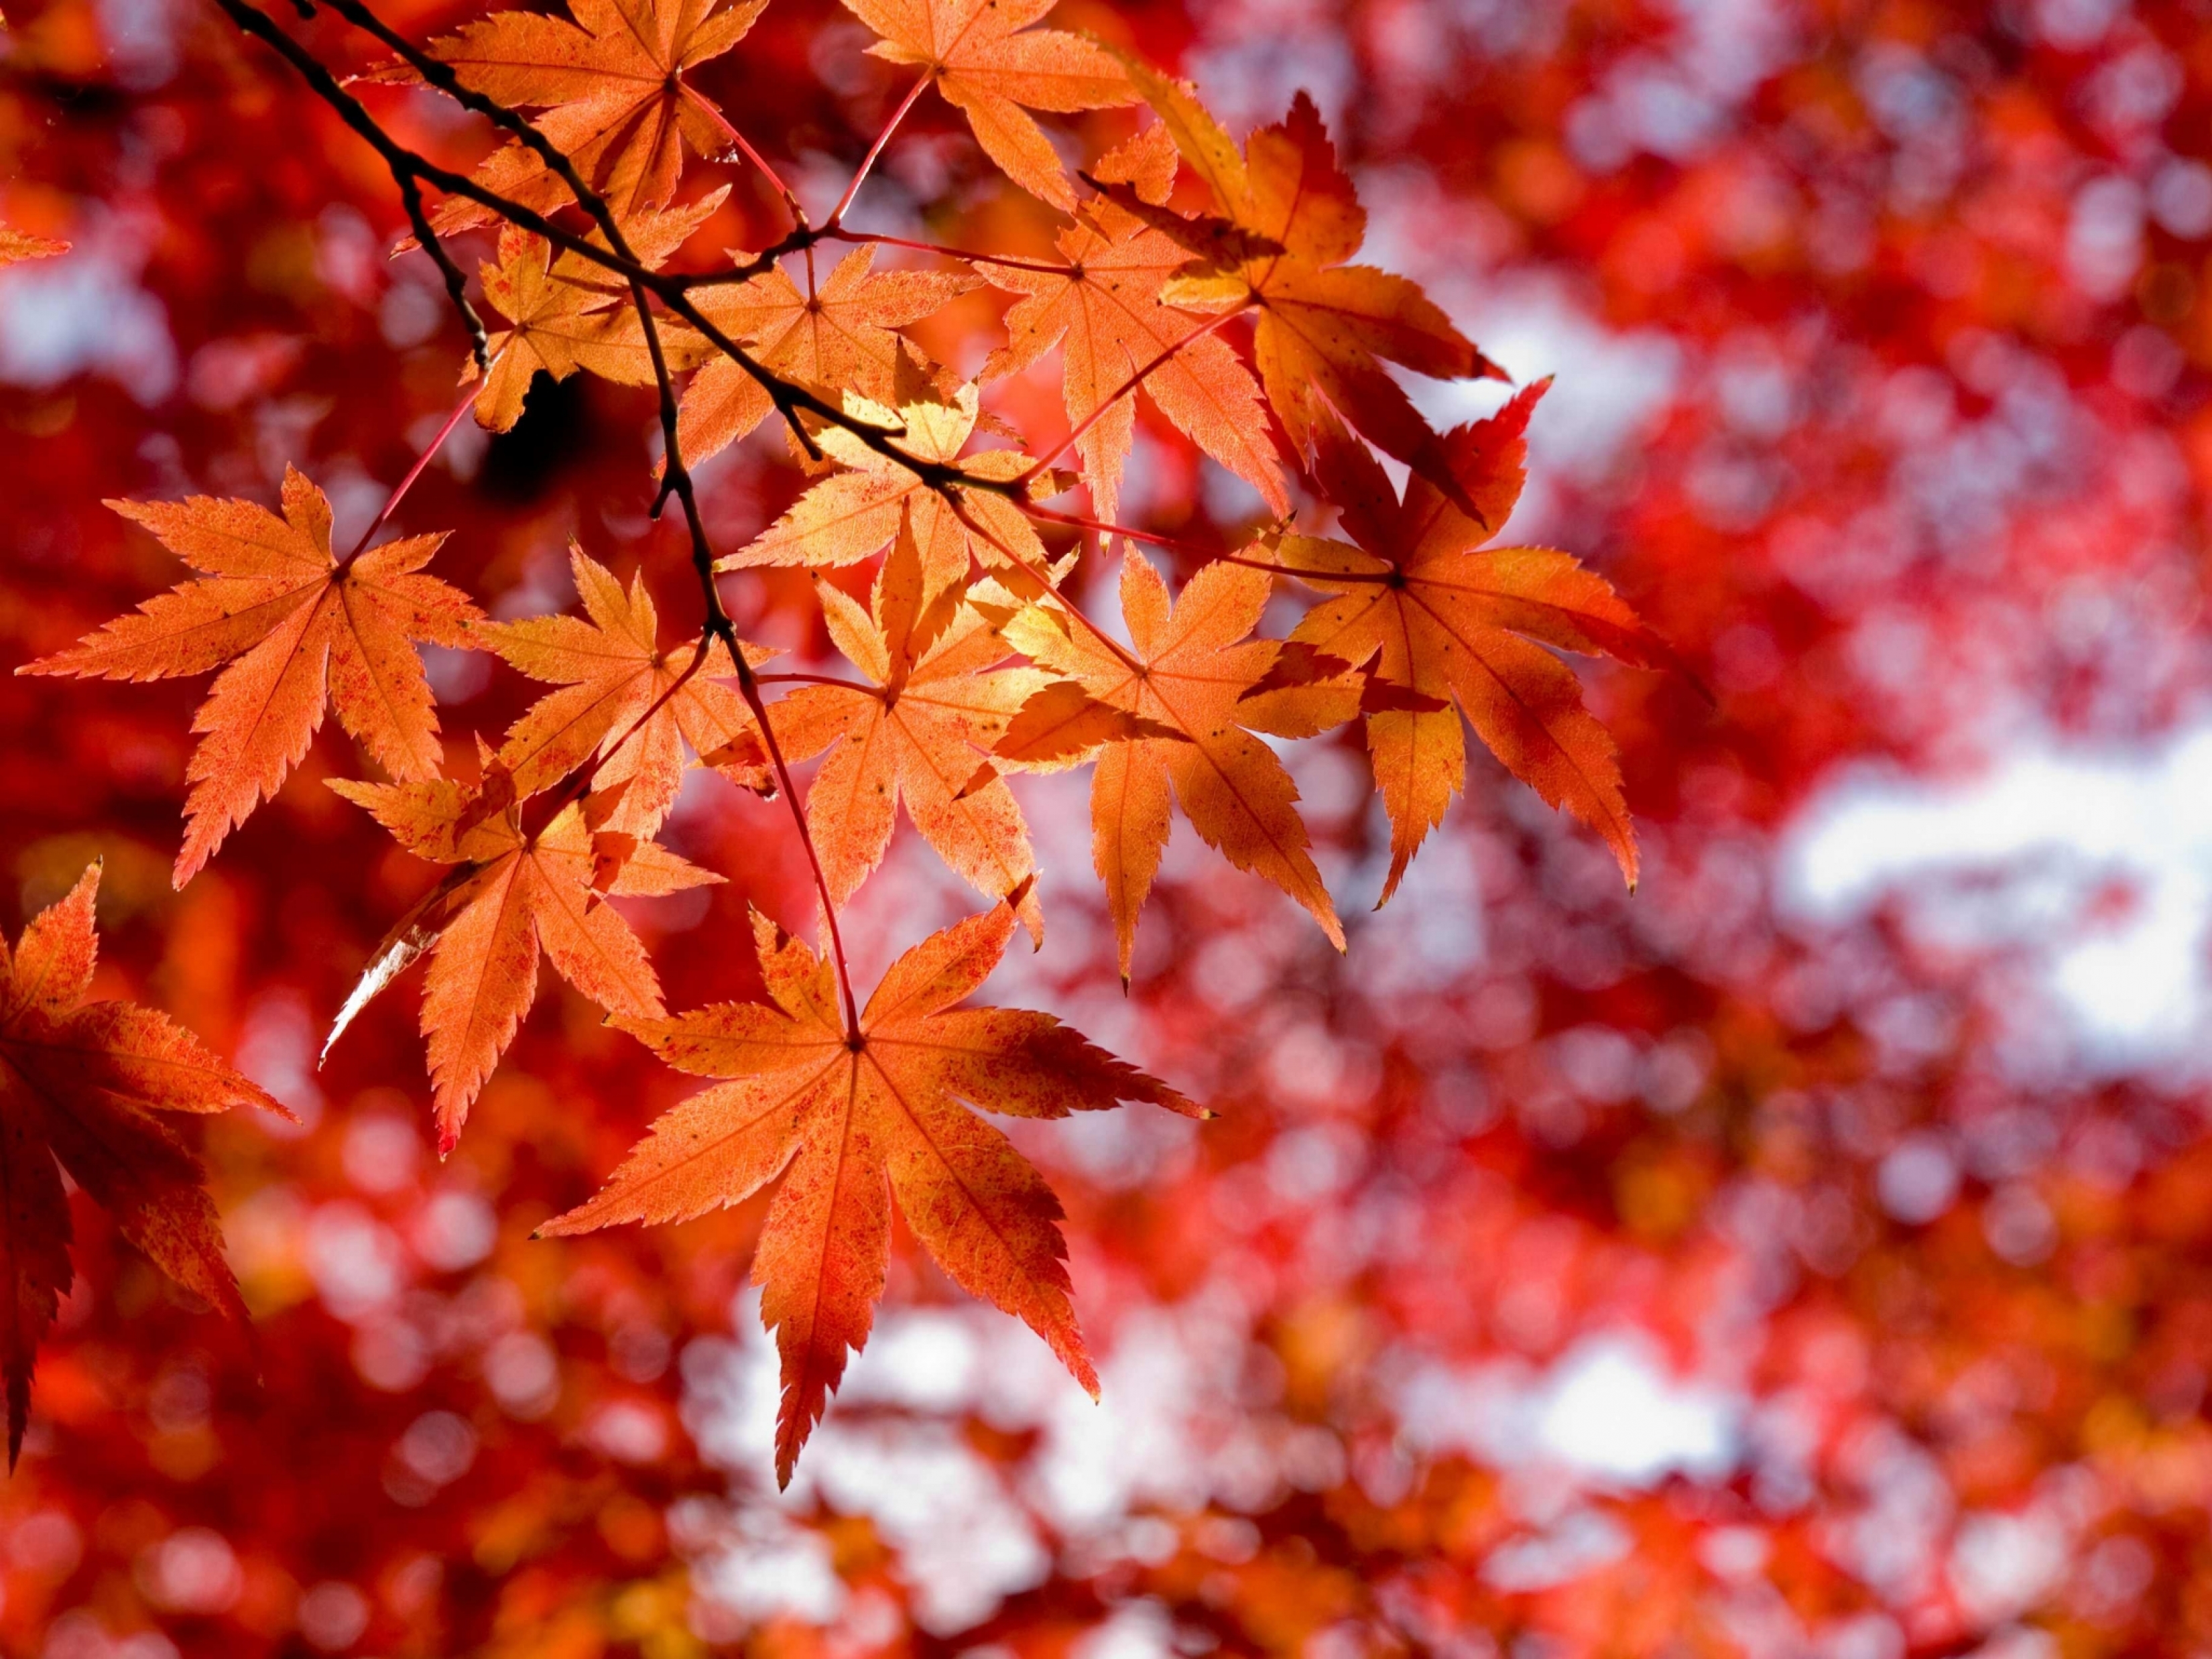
(789, 397)
(457, 285)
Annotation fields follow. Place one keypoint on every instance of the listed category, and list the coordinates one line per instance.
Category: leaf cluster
(1218, 284)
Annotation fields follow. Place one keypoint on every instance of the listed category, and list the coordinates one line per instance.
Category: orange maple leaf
(80, 1082)
(988, 64)
(917, 735)
(1107, 308)
(611, 86)
(614, 673)
(841, 336)
(860, 1117)
(1452, 619)
(514, 892)
(298, 628)
(569, 312)
(1191, 666)
(851, 515)
(1325, 327)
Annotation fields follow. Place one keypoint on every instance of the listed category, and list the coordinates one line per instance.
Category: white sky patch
(1609, 384)
(1610, 1410)
(1170, 1431)
(2011, 858)
(81, 312)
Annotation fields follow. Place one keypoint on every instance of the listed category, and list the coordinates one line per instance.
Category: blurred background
(1807, 1255)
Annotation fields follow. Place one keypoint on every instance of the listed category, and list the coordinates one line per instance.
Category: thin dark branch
(790, 398)
(457, 285)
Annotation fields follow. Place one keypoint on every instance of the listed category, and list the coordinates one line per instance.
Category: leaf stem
(1076, 521)
(607, 751)
(749, 687)
(1048, 267)
(868, 161)
(707, 107)
(399, 494)
(813, 679)
(1382, 579)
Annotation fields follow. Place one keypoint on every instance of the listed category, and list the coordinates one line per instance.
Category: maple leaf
(1107, 309)
(851, 515)
(297, 628)
(1325, 327)
(1451, 618)
(841, 336)
(1191, 665)
(512, 893)
(613, 669)
(81, 1082)
(569, 312)
(988, 62)
(917, 735)
(859, 1118)
(611, 88)
(17, 245)
(1063, 724)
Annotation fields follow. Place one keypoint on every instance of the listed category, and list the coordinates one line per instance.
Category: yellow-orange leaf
(1325, 328)
(569, 313)
(1106, 312)
(298, 630)
(933, 709)
(1190, 667)
(1452, 619)
(848, 517)
(613, 669)
(1062, 724)
(611, 88)
(861, 1117)
(81, 1082)
(512, 894)
(990, 64)
(843, 338)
